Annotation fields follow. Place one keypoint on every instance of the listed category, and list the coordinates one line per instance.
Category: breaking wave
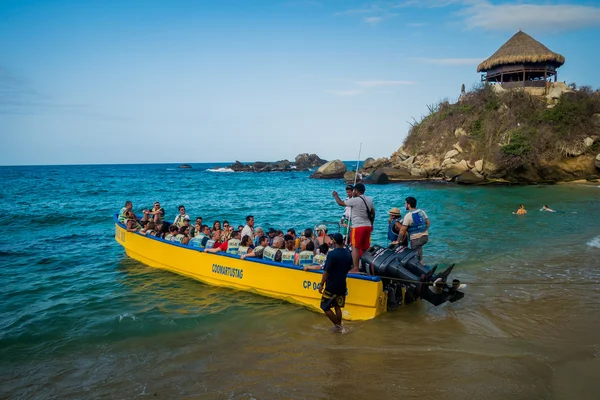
(220, 170)
(595, 242)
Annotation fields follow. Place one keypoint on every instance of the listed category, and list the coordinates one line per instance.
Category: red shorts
(361, 237)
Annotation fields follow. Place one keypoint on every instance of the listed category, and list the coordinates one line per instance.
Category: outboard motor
(405, 278)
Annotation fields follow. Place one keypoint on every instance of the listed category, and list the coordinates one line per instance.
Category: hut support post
(523, 77)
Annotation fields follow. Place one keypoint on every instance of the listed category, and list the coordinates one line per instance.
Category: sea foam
(595, 242)
(220, 170)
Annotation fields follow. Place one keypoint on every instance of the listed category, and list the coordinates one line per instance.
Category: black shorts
(329, 300)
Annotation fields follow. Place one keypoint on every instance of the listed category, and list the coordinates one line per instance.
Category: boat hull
(365, 299)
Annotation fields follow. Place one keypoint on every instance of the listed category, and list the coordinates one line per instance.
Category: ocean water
(79, 319)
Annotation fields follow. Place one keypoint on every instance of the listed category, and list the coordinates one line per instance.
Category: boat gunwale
(237, 257)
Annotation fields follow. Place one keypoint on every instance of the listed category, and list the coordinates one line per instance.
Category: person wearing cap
(333, 283)
(180, 217)
(362, 226)
(322, 237)
(415, 227)
(271, 233)
(394, 225)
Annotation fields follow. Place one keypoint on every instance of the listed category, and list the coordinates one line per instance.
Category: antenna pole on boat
(355, 177)
(357, 162)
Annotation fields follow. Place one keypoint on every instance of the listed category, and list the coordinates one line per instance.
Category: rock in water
(331, 170)
(377, 177)
(469, 178)
(185, 166)
(306, 161)
(368, 162)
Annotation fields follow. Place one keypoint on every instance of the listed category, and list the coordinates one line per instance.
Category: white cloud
(380, 83)
(373, 20)
(449, 61)
(530, 17)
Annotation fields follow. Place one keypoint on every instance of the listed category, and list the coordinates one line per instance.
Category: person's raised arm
(337, 199)
(403, 232)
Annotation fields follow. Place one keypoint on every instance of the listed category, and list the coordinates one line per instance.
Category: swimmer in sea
(521, 210)
(546, 208)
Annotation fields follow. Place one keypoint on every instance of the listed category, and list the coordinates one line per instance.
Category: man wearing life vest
(127, 209)
(263, 242)
(182, 216)
(231, 246)
(415, 227)
(273, 252)
(362, 225)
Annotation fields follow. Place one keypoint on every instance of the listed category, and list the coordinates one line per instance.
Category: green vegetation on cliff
(512, 129)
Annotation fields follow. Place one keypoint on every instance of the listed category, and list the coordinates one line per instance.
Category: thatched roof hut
(521, 59)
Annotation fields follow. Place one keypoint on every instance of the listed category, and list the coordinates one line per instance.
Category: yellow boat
(400, 278)
(366, 298)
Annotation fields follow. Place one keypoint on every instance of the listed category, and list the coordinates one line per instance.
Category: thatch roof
(521, 48)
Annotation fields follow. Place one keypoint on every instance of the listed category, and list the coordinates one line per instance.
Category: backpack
(370, 212)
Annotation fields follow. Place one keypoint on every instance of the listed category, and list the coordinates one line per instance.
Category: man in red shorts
(362, 226)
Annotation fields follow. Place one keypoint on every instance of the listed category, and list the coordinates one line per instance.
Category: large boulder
(377, 177)
(331, 170)
(306, 161)
(349, 176)
(469, 178)
(479, 166)
(397, 174)
(597, 161)
(451, 154)
(368, 163)
(452, 171)
(460, 131)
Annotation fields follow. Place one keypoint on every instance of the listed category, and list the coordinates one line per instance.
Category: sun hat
(321, 228)
(395, 211)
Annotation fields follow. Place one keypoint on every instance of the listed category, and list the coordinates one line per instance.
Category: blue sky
(86, 82)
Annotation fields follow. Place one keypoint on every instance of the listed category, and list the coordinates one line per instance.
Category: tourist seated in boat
(230, 246)
(183, 236)
(246, 245)
(226, 232)
(162, 230)
(271, 233)
(288, 253)
(216, 226)
(131, 222)
(274, 251)
(197, 228)
(309, 237)
(318, 259)
(155, 214)
(215, 240)
(263, 242)
(322, 236)
(240, 228)
(258, 232)
(182, 216)
(305, 257)
(149, 229)
(173, 231)
(127, 213)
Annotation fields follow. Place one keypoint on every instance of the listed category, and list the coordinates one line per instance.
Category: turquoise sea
(79, 319)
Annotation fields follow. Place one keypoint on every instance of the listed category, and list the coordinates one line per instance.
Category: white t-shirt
(247, 231)
(359, 211)
(180, 218)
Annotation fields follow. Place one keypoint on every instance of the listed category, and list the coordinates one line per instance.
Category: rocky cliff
(496, 136)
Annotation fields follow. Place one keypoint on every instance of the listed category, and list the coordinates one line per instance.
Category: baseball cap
(338, 238)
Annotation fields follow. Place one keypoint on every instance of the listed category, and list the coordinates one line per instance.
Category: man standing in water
(362, 226)
(416, 225)
(337, 265)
